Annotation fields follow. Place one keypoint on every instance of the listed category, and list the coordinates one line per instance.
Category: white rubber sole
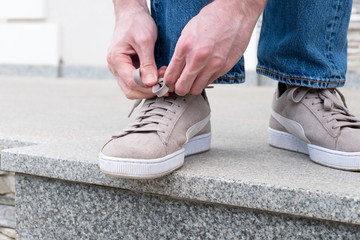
(336, 159)
(153, 168)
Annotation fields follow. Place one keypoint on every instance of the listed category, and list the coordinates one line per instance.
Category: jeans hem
(230, 80)
(300, 81)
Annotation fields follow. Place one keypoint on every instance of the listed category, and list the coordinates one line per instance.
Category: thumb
(148, 69)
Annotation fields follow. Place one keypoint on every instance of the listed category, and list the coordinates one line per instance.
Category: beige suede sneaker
(165, 131)
(316, 122)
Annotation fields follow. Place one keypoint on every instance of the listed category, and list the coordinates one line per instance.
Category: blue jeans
(302, 42)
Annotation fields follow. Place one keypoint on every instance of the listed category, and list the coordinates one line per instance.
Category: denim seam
(330, 36)
(231, 77)
(154, 10)
(297, 78)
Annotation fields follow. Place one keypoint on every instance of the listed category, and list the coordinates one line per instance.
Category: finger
(185, 81)
(132, 93)
(176, 66)
(161, 71)
(214, 69)
(173, 73)
(191, 72)
(122, 69)
(202, 81)
(148, 69)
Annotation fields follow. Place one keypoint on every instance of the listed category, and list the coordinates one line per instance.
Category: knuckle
(169, 81)
(169, 78)
(202, 54)
(178, 58)
(132, 86)
(143, 40)
(111, 69)
(129, 94)
(184, 46)
(109, 58)
(181, 91)
(148, 66)
(216, 63)
(226, 68)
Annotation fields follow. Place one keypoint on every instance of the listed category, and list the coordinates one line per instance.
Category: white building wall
(85, 27)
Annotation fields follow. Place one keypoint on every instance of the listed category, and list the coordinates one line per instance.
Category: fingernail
(149, 78)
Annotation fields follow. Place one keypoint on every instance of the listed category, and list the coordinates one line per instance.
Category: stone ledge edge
(261, 196)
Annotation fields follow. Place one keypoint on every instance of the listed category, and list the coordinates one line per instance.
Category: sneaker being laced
(165, 130)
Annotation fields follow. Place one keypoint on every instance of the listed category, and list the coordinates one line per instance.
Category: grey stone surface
(255, 177)
(92, 212)
(352, 80)
(73, 118)
(38, 110)
(89, 72)
(29, 70)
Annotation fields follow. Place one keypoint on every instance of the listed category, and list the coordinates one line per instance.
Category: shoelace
(153, 116)
(335, 110)
(160, 89)
(153, 113)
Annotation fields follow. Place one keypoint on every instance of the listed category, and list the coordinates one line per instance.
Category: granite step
(241, 188)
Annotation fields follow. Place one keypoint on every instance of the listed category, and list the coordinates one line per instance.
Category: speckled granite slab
(53, 209)
(71, 119)
(246, 174)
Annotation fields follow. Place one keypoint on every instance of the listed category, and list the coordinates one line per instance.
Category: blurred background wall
(55, 37)
(64, 38)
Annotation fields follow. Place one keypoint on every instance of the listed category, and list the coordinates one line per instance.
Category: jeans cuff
(300, 81)
(231, 78)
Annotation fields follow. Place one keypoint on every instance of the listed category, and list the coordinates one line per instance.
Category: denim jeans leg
(171, 16)
(304, 42)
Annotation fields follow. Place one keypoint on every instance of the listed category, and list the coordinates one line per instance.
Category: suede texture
(313, 119)
(349, 140)
(189, 110)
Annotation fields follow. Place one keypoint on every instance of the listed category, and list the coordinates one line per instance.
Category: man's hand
(132, 46)
(211, 44)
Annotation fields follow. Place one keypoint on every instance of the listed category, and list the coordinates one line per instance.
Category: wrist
(129, 6)
(249, 8)
(129, 3)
